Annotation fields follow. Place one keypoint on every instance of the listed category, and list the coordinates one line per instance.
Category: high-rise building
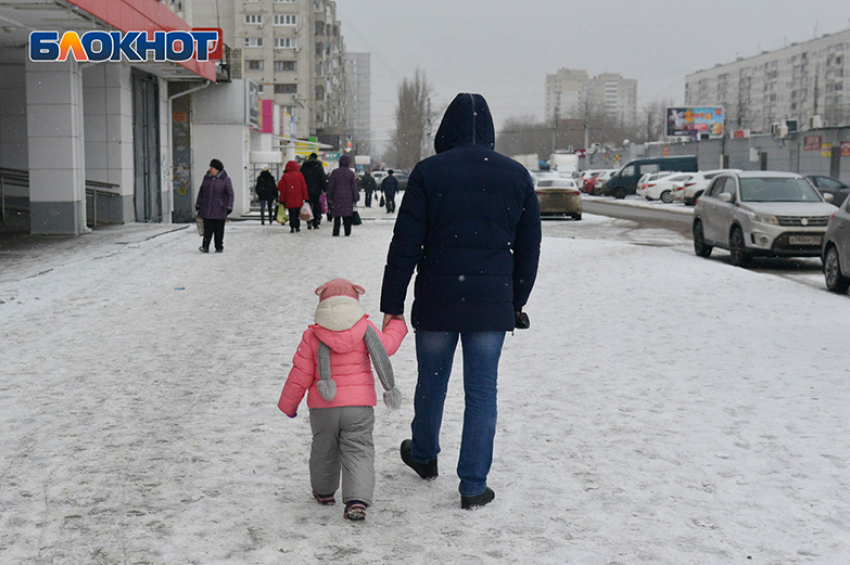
(571, 93)
(359, 100)
(292, 48)
(794, 83)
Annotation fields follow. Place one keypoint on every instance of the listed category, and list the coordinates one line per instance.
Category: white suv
(760, 213)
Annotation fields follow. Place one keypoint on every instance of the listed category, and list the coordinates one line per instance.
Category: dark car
(836, 250)
(401, 177)
(625, 180)
(829, 185)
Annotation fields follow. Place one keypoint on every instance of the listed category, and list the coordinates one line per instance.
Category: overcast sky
(504, 50)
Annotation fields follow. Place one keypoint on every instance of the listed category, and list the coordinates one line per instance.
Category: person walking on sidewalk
(317, 184)
(369, 186)
(470, 225)
(389, 186)
(266, 190)
(293, 194)
(342, 195)
(332, 366)
(214, 203)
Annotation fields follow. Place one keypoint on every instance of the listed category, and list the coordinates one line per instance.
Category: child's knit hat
(339, 305)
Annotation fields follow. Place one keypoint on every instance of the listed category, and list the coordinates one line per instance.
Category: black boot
(470, 502)
(425, 470)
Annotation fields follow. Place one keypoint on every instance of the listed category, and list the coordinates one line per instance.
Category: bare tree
(652, 121)
(413, 117)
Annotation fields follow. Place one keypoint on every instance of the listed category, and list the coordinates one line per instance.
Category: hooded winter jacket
(215, 199)
(315, 177)
(351, 368)
(266, 188)
(470, 224)
(342, 190)
(292, 188)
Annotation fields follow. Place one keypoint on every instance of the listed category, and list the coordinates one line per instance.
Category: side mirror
(725, 197)
(828, 197)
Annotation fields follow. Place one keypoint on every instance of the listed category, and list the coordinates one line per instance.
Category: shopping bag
(200, 223)
(281, 214)
(383, 202)
(355, 219)
(306, 212)
(324, 201)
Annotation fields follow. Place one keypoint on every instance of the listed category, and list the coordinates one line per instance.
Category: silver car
(836, 250)
(760, 213)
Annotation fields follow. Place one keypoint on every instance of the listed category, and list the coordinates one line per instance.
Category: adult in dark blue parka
(470, 224)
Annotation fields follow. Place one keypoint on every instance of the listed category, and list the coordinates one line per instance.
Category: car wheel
(576, 217)
(689, 202)
(835, 281)
(738, 248)
(700, 248)
(620, 193)
(667, 197)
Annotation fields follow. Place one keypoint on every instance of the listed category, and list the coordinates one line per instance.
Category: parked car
(696, 185)
(379, 176)
(656, 186)
(600, 180)
(624, 181)
(537, 175)
(836, 250)
(402, 177)
(585, 176)
(558, 196)
(760, 213)
(829, 185)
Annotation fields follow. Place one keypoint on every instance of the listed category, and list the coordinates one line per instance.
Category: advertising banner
(693, 121)
(845, 149)
(812, 142)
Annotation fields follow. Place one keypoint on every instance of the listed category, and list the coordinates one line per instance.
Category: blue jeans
(435, 352)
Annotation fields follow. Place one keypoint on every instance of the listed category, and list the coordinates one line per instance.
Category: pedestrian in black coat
(390, 186)
(266, 190)
(469, 224)
(317, 184)
(369, 186)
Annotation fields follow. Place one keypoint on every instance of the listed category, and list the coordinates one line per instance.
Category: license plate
(804, 240)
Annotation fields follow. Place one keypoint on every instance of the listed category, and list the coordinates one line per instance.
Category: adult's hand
(388, 317)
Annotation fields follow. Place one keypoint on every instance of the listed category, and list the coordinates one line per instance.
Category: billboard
(693, 121)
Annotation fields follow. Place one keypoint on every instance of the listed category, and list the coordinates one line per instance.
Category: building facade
(359, 100)
(796, 83)
(292, 48)
(572, 93)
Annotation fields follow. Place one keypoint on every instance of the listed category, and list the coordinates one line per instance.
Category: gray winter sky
(504, 50)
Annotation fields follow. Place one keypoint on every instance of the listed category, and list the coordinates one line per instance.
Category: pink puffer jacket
(351, 368)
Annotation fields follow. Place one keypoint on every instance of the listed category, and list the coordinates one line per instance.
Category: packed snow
(661, 409)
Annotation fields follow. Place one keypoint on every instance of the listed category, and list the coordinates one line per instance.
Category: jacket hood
(344, 161)
(266, 175)
(467, 121)
(345, 340)
(291, 167)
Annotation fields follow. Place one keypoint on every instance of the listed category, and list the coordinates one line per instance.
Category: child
(332, 362)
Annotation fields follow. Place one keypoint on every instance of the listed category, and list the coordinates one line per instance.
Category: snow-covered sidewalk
(640, 202)
(661, 409)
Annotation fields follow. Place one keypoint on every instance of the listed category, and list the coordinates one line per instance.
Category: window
(253, 19)
(284, 65)
(285, 19)
(253, 42)
(320, 28)
(254, 65)
(286, 1)
(320, 93)
(717, 187)
(261, 88)
(285, 42)
(285, 88)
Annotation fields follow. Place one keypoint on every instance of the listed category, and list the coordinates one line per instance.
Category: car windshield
(555, 183)
(777, 190)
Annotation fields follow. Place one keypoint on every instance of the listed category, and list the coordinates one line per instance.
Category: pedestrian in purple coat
(342, 195)
(214, 203)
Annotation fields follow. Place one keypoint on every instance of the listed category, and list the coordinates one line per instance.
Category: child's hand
(293, 415)
(388, 317)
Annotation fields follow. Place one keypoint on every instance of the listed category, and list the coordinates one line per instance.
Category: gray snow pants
(342, 438)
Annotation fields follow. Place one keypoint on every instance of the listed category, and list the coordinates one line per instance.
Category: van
(625, 180)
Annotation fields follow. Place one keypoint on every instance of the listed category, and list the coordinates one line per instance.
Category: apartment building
(359, 100)
(794, 83)
(570, 93)
(292, 48)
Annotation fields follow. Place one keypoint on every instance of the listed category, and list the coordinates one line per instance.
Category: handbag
(200, 223)
(323, 199)
(281, 214)
(306, 212)
(383, 202)
(355, 219)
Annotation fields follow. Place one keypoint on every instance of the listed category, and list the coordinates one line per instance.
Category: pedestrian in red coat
(293, 193)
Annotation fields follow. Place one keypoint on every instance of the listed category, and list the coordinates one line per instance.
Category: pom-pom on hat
(339, 287)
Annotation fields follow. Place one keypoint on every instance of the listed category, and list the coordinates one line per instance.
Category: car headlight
(763, 218)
